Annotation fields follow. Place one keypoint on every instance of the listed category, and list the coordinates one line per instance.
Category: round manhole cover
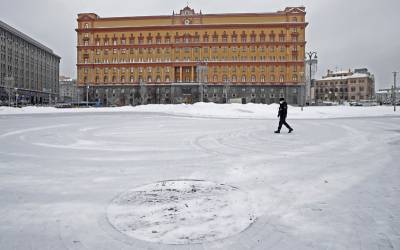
(181, 212)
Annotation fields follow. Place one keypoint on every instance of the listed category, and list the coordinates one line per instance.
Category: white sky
(345, 33)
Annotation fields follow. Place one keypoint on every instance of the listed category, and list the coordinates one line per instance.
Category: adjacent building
(387, 96)
(190, 56)
(68, 90)
(342, 86)
(28, 69)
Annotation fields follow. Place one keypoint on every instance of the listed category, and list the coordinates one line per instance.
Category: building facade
(190, 56)
(388, 96)
(68, 90)
(345, 86)
(28, 70)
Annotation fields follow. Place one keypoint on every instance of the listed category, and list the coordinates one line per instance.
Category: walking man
(282, 114)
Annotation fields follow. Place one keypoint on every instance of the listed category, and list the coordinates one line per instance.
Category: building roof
(21, 35)
(387, 91)
(340, 72)
(289, 10)
(355, 75)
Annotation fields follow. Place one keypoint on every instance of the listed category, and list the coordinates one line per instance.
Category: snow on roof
(355, 75)
(387, 91)
(341, 72)
(382, 91)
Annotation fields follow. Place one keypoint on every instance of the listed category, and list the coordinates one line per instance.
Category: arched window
(234, 78)
(225, 78)
(215, 78)
(262, 78)
(167, 79)
(149, 79)
(243, 78)
(244, 37)
(294, 78)
(253, 78)
(282, 78)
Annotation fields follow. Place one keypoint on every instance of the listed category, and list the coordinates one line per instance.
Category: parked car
(63, 105)
(357, 104)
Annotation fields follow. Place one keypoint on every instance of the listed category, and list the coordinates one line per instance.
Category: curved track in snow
(333, 184)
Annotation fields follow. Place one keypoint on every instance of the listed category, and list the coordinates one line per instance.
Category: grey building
(68, 90)
(386, 96)
(29, 71)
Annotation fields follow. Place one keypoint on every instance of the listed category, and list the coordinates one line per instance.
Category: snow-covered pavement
(212, 110)
(333, 184)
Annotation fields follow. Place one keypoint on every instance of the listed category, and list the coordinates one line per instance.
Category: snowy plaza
(201, 176)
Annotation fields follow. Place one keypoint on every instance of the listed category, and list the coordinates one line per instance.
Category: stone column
(180, 74)
(192, 78)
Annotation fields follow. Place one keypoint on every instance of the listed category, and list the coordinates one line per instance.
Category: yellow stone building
(189, 56)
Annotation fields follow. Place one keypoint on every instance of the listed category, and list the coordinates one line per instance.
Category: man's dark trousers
(282, 121)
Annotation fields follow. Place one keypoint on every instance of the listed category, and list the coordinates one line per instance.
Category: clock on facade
(187, 21)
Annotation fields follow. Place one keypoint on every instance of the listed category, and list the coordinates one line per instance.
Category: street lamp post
(10, 84)
(227, 88)
(107, 97)
(16, 97)
(9, 96)
(50, 97)
(198, 71)
(202, 68)
(143, 91)
(302, 91)
(87, 95)
(312, 59)
(394, 91)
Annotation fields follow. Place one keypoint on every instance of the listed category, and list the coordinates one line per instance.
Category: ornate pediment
(295, 10)
(87, 17)
(187, 11)
(186, 16)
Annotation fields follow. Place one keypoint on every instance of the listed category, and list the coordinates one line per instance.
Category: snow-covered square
(201, 176)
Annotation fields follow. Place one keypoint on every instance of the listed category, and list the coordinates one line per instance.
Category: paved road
(333, 184)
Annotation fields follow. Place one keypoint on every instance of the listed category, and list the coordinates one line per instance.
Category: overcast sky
(345, 33)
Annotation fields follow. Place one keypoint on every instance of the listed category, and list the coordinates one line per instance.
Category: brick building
(341, 86)
(190, 56)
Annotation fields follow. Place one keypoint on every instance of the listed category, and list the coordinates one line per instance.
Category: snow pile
(212, 110)
(181, 212)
